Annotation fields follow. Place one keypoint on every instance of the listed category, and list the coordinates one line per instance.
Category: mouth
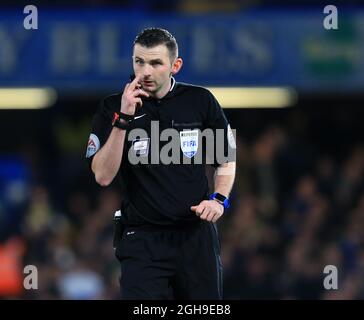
(147, 83)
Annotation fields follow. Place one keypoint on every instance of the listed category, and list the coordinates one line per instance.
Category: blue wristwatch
(221, 199)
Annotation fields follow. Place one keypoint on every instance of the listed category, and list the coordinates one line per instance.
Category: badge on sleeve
(189, 142)
(93, 145)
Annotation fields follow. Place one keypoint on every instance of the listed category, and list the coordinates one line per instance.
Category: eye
(139, 61)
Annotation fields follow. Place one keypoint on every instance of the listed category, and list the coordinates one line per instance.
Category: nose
(147, 71)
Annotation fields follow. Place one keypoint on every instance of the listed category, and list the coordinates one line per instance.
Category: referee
(168, 246)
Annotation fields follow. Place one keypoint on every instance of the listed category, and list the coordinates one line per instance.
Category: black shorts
(170, 263)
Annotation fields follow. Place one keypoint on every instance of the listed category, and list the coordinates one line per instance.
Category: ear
(177, 65)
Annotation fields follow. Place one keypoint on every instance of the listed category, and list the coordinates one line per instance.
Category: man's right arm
(106, 162)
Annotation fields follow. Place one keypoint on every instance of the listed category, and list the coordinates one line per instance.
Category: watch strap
(221, 199)
(122, 120)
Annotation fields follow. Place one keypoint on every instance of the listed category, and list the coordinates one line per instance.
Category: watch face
(220, 197)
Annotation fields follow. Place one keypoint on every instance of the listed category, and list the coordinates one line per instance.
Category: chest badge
(141, 147)
(189, 142)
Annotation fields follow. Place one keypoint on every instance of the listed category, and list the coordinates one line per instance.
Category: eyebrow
(151, 61)
(156, 60)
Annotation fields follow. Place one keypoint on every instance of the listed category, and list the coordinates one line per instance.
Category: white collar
(173, 83)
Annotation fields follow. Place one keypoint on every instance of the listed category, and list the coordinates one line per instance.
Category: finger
(200, 210)
(194, 208)
(205, 213)
(216, 217)
(140, 92)
(126, 87)
(144, 93)
(211, 215)
(138, 102)
(135, 82)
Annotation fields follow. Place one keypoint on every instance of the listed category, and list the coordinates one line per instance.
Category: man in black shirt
(168, 247)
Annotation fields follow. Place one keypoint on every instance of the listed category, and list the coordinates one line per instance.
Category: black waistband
(131, 218)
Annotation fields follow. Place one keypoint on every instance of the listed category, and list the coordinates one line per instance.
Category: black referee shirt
(158, 193)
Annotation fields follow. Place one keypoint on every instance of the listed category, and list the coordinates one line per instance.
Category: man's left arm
(212, 210)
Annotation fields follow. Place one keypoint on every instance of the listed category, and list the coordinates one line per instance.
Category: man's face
(154, 67)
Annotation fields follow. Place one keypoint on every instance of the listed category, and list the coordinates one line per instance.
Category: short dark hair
(152, 37)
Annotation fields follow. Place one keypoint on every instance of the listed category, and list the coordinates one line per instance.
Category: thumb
(194, 208)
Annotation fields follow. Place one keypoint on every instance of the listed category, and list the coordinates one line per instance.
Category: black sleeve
(100, 131)
(225, 145)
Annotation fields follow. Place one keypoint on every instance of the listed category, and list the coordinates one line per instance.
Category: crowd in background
(297, 206)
